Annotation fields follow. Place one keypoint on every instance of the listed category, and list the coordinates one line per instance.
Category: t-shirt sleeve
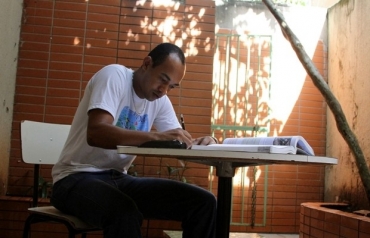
(166, 118)
(107, 89)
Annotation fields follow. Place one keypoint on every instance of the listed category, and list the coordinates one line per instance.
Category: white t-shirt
(111, 89)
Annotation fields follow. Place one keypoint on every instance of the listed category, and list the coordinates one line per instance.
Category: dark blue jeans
(118, 203)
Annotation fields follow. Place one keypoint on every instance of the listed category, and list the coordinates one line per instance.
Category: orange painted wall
(64, 42)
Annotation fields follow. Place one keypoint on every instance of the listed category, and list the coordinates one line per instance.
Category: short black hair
(160, 53)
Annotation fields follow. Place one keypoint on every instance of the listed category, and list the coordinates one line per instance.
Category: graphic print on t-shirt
(130, 120)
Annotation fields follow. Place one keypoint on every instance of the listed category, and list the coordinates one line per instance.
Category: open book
(275, 144)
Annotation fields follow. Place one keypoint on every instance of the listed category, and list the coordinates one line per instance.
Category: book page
(298, 142)
(274, 149)
(250, 141)
(304, 146)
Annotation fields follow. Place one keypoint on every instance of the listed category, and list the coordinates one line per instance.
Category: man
(119, 107)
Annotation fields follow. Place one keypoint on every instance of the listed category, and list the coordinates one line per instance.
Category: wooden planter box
(318, 221)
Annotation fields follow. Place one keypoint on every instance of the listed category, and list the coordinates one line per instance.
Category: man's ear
(147, 62)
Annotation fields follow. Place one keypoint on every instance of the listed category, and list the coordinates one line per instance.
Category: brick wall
(64, 42)
(318, 221)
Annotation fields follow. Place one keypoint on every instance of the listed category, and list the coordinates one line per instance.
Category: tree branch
(331, 100)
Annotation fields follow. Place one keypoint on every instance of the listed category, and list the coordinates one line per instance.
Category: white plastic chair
(42, 143)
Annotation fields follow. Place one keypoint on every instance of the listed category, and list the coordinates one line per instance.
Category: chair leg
(71, 234)
(35, 218)
(27, 226)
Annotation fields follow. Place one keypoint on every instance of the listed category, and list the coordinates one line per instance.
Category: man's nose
(163, 89)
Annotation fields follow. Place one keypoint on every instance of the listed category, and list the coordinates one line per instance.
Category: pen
(182, 121)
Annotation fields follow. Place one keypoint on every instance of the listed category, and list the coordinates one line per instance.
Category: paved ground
(262, 235)
(178, 234)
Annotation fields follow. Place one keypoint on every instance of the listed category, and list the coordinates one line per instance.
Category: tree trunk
(331, 100)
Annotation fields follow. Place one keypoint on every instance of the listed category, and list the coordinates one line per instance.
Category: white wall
(288, 74)
(323, 3)
(10, 22)
(349, 74)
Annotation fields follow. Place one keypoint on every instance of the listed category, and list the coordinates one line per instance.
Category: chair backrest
(42, 142)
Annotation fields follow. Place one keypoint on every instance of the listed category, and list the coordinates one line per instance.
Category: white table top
(236, 158)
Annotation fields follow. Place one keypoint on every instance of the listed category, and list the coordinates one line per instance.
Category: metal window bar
(240, 106)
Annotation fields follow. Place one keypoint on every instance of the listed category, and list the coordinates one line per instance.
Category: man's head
(162, 51)
(162, 70)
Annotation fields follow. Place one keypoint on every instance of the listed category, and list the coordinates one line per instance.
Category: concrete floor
(178, 234)
(262, 235)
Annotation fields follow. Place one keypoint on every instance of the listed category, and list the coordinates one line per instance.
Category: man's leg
(93, 198)
(166, 199)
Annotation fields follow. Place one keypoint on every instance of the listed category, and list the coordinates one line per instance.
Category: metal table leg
(225, 174)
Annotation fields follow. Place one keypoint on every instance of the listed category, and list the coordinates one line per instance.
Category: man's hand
(205, 140)
(176, 134)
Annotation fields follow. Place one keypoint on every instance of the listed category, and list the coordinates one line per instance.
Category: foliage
(170, 172)
(175, 173)
(44, 188)
(132, 170)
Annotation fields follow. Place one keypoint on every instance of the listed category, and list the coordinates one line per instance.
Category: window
(241, 85)
(240, 107)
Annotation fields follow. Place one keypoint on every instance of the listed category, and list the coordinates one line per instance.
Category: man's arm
(102, 133)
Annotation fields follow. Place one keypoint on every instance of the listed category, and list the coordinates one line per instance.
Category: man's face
(162, 78)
